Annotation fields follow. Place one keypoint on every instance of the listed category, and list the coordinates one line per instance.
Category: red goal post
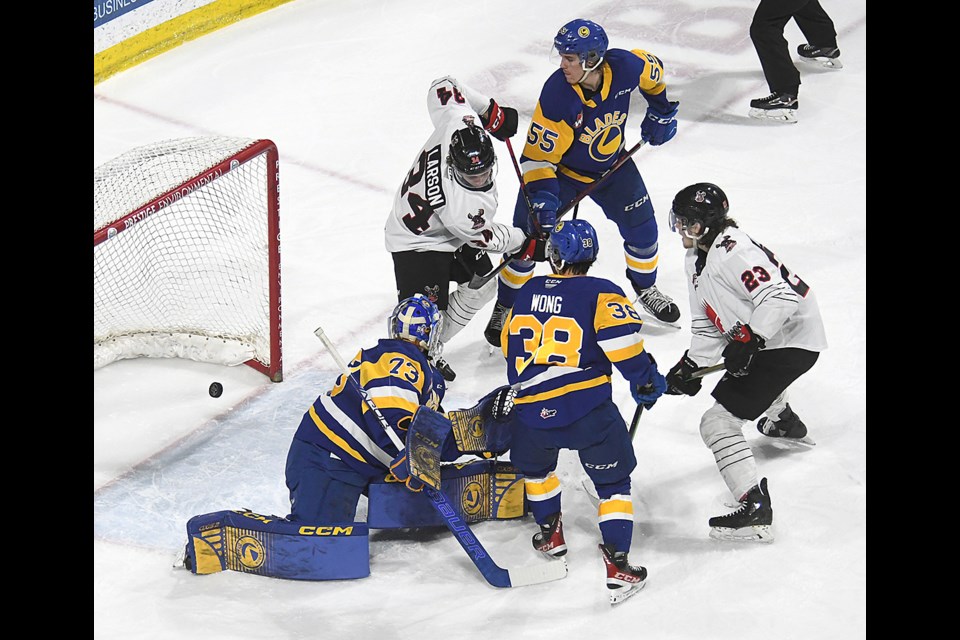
(186, 253)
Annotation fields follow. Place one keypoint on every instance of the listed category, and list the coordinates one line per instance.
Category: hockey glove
(657, 127)
(501, 122)
(679, 382)
(533, 248)
(545, 206)
(648, 393)
(400, 469)
(738, 355)
(502, 404)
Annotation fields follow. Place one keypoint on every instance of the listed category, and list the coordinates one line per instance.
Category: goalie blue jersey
(562, 339)
(399, 379)
(582, 136)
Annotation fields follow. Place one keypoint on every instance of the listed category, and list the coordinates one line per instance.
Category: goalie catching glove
(501, 122)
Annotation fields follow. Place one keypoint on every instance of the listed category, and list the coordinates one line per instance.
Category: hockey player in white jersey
(763, 320)
(441, 226)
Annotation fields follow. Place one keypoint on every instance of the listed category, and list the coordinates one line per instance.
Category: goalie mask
(572, 242)
(419, 321)
(703, 202)
(472, 158)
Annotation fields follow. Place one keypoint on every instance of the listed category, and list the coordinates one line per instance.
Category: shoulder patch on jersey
(477, 220)
(727, 243)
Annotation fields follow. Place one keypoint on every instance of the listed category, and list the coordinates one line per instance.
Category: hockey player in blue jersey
(561, 339)
(340, 445)
(576, 133)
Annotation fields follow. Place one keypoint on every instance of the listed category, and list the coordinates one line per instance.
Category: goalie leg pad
(248, 542)
(480, 490)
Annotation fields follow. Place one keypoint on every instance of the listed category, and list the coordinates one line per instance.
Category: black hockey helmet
(702, 202)
(472, 157)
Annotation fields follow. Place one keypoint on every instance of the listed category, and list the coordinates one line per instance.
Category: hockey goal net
(186, 254)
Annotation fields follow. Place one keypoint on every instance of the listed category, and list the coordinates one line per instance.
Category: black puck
(216, 389)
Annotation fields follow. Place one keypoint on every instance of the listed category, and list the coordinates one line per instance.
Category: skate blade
(827, 63)
(757, 533)
(649, 317)
(619, 595)
(775, 115)
(805, 441)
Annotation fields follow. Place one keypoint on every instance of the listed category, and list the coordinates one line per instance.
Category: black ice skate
(828, 57)
(549, 539)
(495, 325)
(778, 106)
(448, 374)
(788, 428)
(623, 578)
(657, 304)
(752, 521)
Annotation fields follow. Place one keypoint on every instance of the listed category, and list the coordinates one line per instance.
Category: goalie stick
(478, 281)
(494, 574)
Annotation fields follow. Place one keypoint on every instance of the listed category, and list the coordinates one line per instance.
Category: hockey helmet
(418, 320)
(584, 38)
(472, 157)
(572, 241)
(702, 202)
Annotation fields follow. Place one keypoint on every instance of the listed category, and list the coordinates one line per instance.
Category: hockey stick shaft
(493, 573)
(699, 373)
(478, 281)
(635, 421)
(523, 189)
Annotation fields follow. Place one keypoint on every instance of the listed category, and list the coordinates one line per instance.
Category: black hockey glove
(534, 248)
(501, 122)
(679, 382)
(738, 355)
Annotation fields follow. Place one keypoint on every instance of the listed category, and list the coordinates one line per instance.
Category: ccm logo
(637, 204)
(600, 466)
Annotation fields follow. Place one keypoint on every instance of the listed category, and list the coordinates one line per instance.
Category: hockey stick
(494, 574)
(478, 281)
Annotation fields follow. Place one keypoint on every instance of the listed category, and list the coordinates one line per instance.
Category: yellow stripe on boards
(173, 33)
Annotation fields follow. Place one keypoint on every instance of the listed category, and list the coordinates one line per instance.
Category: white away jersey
(742, 281)
(431, 210)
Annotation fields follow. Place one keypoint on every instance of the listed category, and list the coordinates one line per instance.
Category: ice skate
(828, 57)
(445, 370)
(549, 540)
(780, 107)
(623, 578)
(787, 428)
(753, 521)
(660, 306)
(495, 325)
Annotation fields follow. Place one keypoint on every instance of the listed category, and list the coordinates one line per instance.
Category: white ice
(340, 88)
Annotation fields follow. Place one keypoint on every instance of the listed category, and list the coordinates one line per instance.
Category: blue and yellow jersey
(582, 136)
(398, 378)
(561, 341)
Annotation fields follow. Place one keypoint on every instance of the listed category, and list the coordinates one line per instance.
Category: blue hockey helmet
(416, 319)
(584, 38)
(571, 242)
